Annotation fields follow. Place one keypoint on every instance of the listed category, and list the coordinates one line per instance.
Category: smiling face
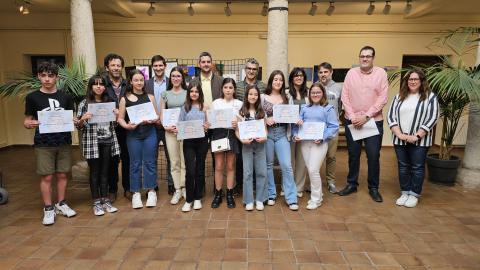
(324, 75)
(194, 94)
(298, 79)
(158, 69)
(414, 83)
(277, 82)
(366, 59)
(228, 90)
(251, 71)
(138, 81)
(114, 68)
(252, 96)
(205, 64)
(176, 78)
(316, 95)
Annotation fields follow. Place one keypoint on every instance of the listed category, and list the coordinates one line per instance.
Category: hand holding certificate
(311, 131)
(221, 118)
(369, 129)
(190, 129)
(283, 113)
(55, 121)
(252, 129)
(170, 117)
(141, 112)
(102, 112)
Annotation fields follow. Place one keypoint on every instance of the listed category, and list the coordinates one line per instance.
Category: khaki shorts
(55, 159)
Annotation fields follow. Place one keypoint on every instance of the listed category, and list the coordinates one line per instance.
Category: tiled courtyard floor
(442, 232)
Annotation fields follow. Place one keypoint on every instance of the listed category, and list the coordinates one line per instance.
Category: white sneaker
(48, 217)
(184, 193)
(187, 207)
(197, 204)
(293, 207)
(98, 209)
(137, 200)
(299, 194)
(176, 197)
(65, 210)
(151, 199)
(259, 206)
(107, 206)
(313, 205)
(411, 201)
(249, 206)
(271, 202)
(401, 201)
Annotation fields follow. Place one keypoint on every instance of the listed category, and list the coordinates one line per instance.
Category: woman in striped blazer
(411, 118)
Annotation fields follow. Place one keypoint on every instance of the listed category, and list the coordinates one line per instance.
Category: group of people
(247, 163)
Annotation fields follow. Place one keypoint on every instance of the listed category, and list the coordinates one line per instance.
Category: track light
(228, 11)
(23, 8)
(331, 8)
(371, 8)
(151, 10)
(265, 9)
(190, 10)
(387, 8)
(313, 9)
(408, 7)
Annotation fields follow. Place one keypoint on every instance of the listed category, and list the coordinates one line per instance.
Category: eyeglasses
(252, 69)
(413, 79)
(298, 75)
(365, 56)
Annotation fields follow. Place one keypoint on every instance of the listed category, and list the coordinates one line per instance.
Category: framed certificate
(142, 112)
(102, 112)
(55, 121)
(252, 129)
(283, 113)
(221, 118)
(170, 117)
(190, 129)
(311, 131)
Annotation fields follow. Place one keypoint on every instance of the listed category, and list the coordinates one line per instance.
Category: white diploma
(142, 112)
(190, 129)
(311, 131)
(252, 129)
(283, 113)
(55, 121)
(369, 129)
(170, 117)
(221, 118)
(102, 112)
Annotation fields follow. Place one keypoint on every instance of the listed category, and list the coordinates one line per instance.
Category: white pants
(314, 154)
(177, 162)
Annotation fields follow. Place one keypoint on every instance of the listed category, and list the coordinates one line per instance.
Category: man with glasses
(251, 73)
(363, 96)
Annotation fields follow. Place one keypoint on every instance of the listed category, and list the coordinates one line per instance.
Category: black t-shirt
(40, 101)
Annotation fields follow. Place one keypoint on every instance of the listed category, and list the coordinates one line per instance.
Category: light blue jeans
(278, 144)
(254, 161)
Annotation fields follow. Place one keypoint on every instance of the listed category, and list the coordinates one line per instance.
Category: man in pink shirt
(363, 96)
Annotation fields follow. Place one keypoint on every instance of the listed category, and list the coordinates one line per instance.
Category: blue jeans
(411, 168)
(278, 144)
(143, 156)
(254, 161)
(372, 148)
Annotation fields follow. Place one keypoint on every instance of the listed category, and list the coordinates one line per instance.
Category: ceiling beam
(120, 8)
(425, 8)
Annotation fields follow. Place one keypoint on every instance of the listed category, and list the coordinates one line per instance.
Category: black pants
(125, 158)
(99, 172)
(195, 153)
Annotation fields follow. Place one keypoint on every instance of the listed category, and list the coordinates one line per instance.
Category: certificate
(170, 117)
(55, 121)
(283, 113)
(190, 129)
(220, 118)
(311, 131)
(102, 112)
(369, 129)
(252, 129)
(141, 112)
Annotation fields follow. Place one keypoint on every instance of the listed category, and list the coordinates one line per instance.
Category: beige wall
(312, 40)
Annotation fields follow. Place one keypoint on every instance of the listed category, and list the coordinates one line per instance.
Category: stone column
(277, 41)
(83, 37)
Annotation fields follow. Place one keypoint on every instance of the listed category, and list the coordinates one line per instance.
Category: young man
(334, 91)
(156, 86)
(211, 82)
(251, 73)
(364, 95)
(52, 150)
(115, 87)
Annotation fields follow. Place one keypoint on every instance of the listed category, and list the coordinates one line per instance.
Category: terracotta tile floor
(353, 232)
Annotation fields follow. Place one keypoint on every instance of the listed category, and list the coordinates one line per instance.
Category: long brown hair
(244, 111)
(424, 89)
(129, 88)
(323, 101)
(188, 101)
(269, 88)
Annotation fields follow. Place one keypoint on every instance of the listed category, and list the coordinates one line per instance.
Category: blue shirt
(318, 113)
(193, 114)
(158, 88)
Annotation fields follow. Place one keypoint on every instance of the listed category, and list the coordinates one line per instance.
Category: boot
(217, 198)
(230, 199)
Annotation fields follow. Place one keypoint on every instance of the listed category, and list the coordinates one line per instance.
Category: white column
(277, 41)
(83, 37)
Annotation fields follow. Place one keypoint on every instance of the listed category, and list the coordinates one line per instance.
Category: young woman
(253, 152)
(227, 158)
(175, 97)
(194, 150)
(99, 145)
(314, 152)
(141, 141)
(278, 141)
(411, 117)
(297, 88)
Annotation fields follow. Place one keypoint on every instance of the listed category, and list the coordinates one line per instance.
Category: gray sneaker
(332, 188)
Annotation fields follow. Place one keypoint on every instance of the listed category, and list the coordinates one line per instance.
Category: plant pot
(443, 172)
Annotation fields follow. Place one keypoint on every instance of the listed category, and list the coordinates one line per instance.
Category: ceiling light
(313, 9)
(23, 8)
(228, 11)
(190, 10)
(371, 8)
(25, 11)
(330, 9)
(265, 9)
(387, 8)
(151, 10)
(408, 7)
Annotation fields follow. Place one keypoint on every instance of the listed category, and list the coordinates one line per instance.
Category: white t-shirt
(221, 103)
(407, 112)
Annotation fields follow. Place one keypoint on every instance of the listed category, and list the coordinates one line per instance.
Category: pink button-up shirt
(365, 94)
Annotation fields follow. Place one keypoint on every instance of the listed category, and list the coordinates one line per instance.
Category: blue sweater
(317, 113)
